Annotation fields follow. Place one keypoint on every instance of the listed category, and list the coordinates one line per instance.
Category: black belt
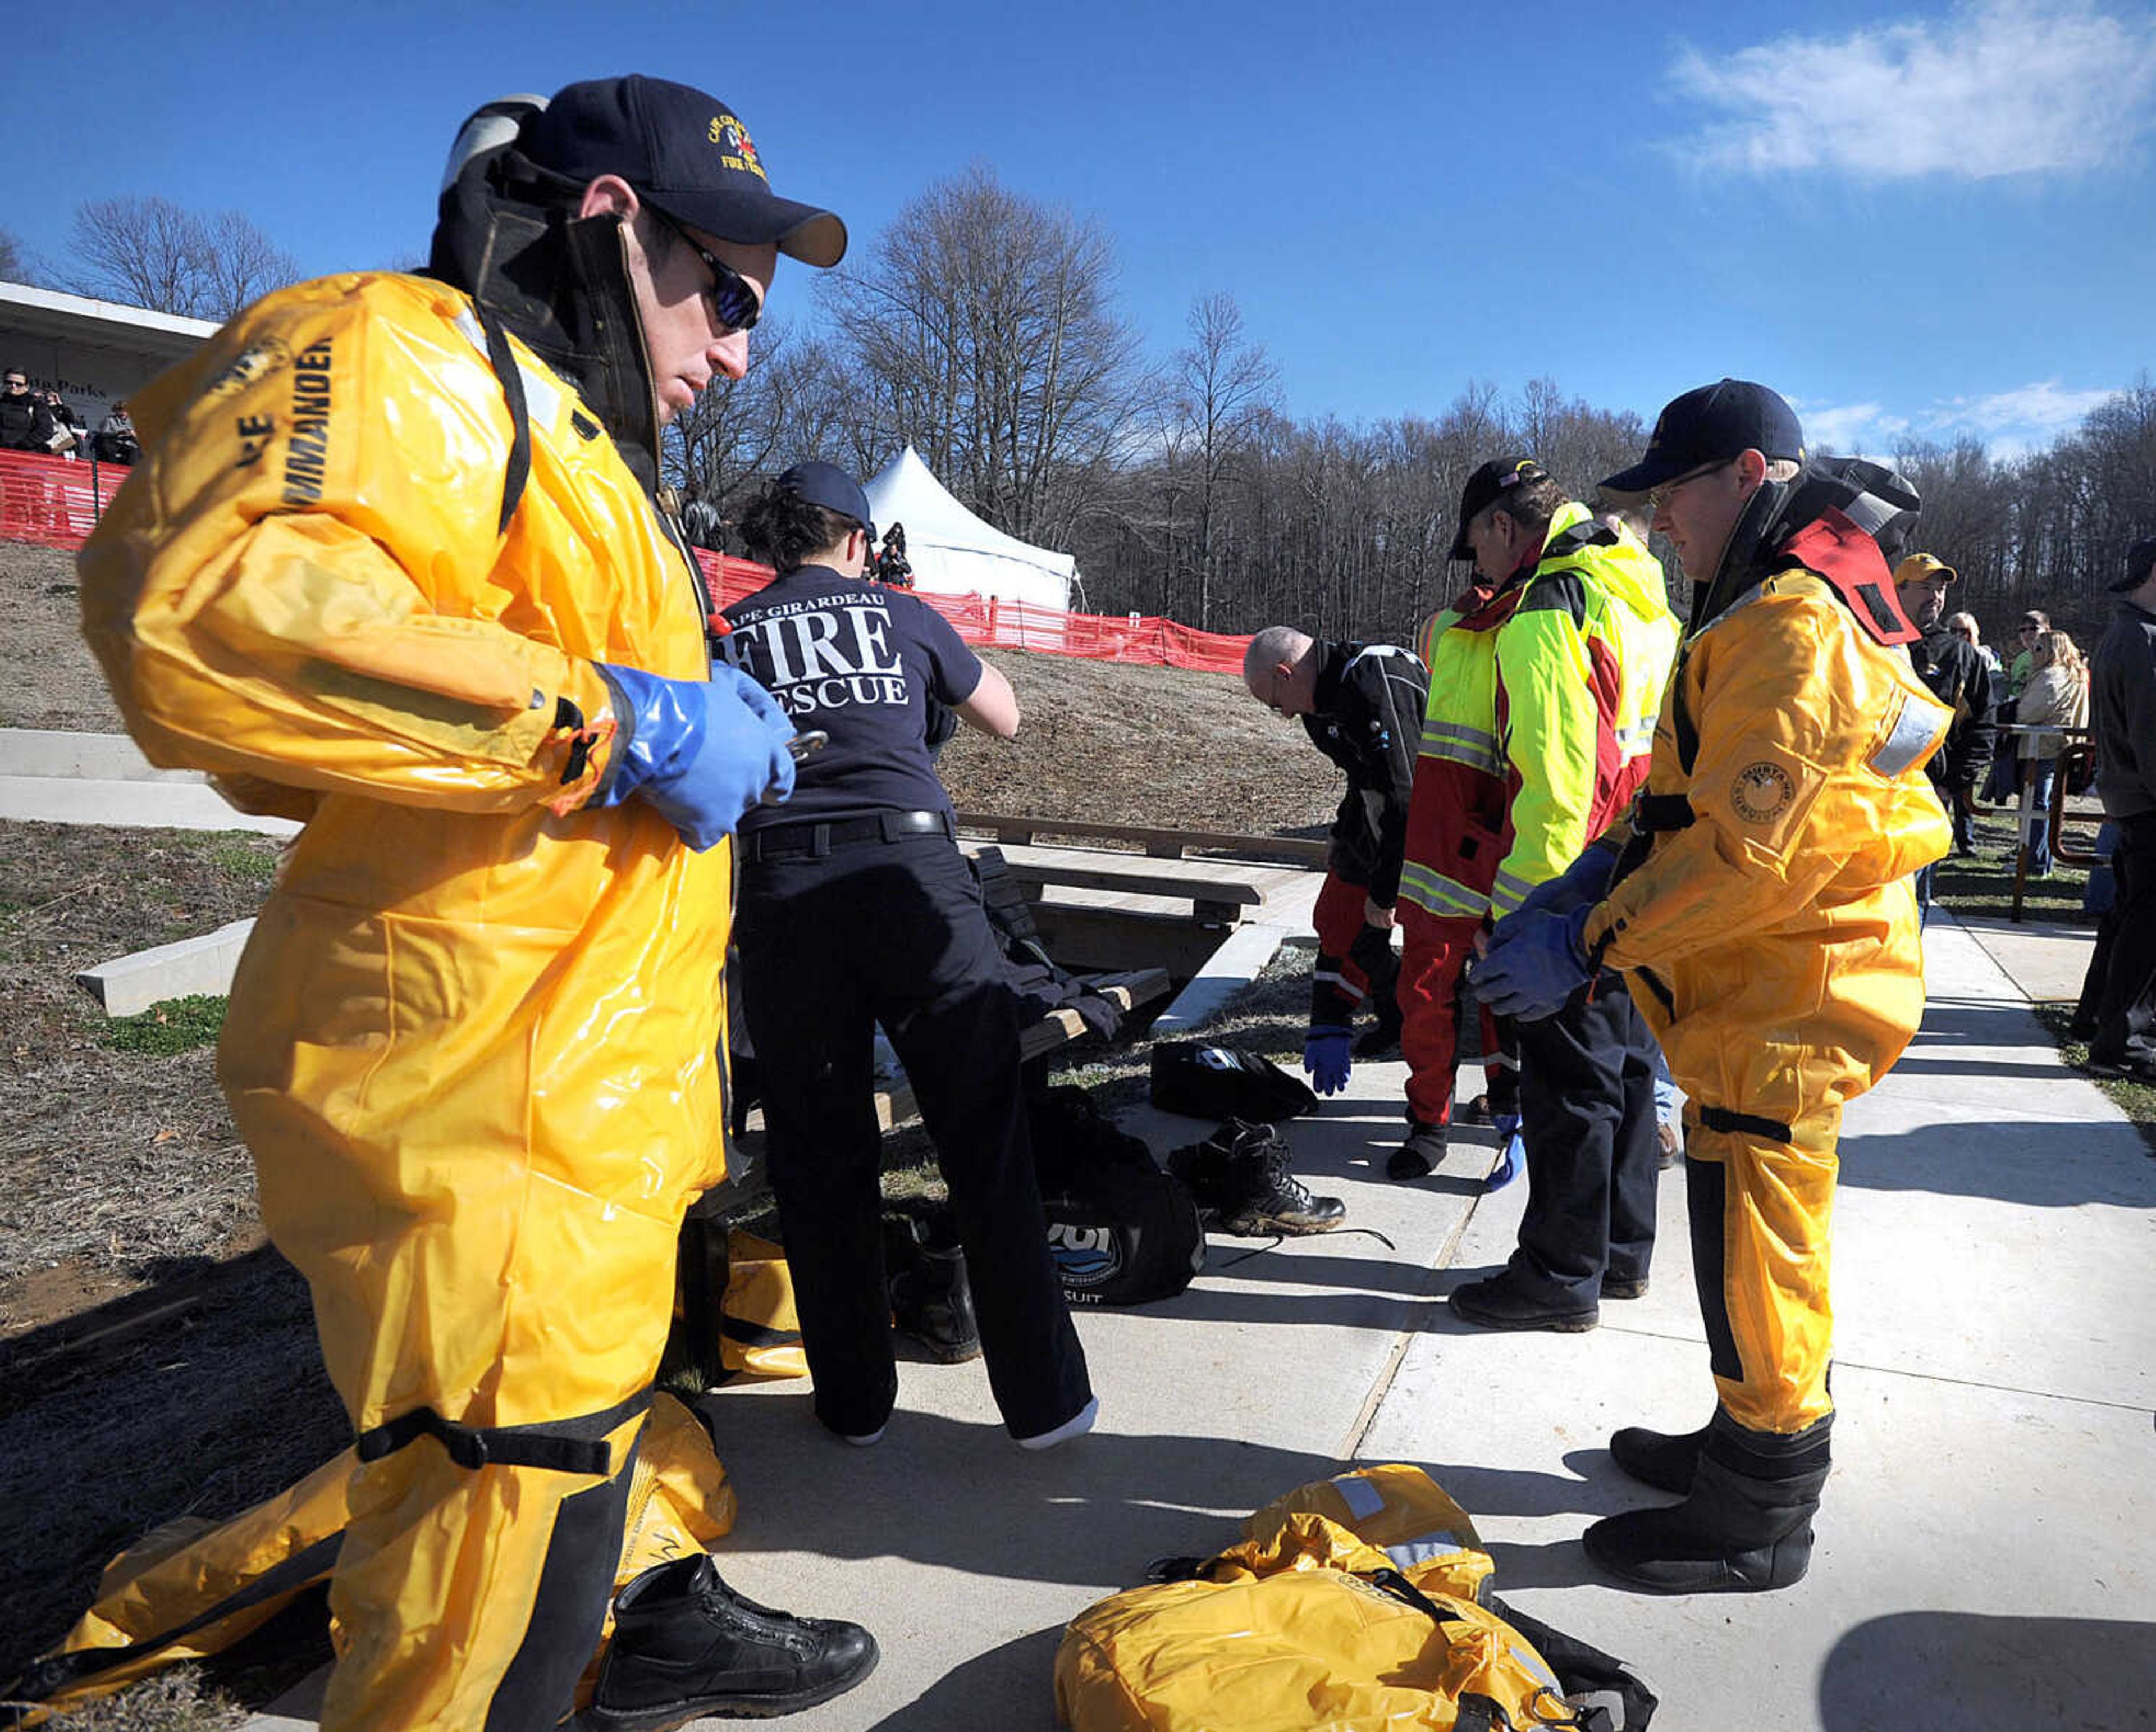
(784, 841)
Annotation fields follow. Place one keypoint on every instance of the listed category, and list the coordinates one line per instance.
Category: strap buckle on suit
(564, 1445)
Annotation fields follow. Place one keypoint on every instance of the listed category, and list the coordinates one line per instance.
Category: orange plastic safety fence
(56, 503)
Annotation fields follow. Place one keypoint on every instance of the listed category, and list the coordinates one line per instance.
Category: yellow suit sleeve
(300, 587)
(1549, 738)
(1773, 730)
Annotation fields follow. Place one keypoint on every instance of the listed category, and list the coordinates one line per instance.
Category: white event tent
(953, 552)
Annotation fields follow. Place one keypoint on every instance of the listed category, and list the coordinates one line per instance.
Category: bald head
(1280, 669)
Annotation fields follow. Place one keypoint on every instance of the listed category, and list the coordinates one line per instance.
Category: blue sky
(1941, 219)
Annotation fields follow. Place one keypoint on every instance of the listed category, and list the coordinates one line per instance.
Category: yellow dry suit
(472, 1043)
(1765, 922)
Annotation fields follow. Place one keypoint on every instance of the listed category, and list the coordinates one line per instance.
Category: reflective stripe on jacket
(1543, 699)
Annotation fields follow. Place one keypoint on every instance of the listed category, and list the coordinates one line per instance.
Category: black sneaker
(1500, 1303)
(1418, 1156)
(686, 1646)
(1239, 1176)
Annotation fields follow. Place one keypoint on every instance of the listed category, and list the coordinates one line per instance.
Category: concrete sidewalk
(1984, 1557)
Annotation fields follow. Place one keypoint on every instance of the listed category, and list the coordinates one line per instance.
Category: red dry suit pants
(1432, 964)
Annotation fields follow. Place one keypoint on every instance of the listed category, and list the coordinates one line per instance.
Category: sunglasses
(731, 297)
(1657, 497)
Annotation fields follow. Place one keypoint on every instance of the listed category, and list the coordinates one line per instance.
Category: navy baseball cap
(828, 486)
(2140, 557)
(683, 151)
(1712, 425)
(1487, 486)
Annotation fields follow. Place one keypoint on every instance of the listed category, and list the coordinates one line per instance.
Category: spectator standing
(1956, 675)
(891, 567)
(2056, 696)
(1761, 906)
(1362, 706)
(2118, 998)
(26, 420)
(2005, 763)
(69, 433)
(434, 611)
(856, 908)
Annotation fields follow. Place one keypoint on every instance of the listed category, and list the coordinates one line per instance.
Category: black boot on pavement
(1664, 1460)
(931, 1302)
(686, 1646)
(1745, 1525)
(1420, 1155)
(1500, 1302)
(1239, 1176)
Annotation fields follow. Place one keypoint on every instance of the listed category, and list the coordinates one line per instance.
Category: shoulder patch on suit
(1761, 792)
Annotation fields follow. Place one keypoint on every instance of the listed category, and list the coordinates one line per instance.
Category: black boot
(1420, 1154)
(1745, 1525)
(931, 1302)
(1661, 1459)
(1240, 1178)
(685, 1647)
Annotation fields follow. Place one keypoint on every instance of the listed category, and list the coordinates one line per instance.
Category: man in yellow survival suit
(1762, 911)
(393, 565)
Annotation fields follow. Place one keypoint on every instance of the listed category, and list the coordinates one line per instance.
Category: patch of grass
(176, 1025)
(2136, 1100)
(247, 859)
(1981, 883)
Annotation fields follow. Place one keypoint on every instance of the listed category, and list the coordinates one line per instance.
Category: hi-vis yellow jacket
(474, 1034)
(1543, 699)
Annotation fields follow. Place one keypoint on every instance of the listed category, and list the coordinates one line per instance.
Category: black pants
(1587, 1111)
(2120, 992)
(893, 931)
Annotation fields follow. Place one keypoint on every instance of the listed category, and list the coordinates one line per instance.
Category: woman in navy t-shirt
(857, 907)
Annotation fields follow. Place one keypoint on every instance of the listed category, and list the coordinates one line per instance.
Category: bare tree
(983, 323)
(1225, 382)
(16, 264)
(151, 252)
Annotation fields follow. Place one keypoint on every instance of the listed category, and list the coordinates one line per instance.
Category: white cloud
(2009, 424)
(2009, 87)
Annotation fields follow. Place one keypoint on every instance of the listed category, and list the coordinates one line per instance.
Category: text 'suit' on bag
(1203, 1081)
(1122, 1231)
(1368, 1593)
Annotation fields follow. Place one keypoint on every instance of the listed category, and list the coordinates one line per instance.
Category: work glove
(701, 754)
(1533, 963)
(1513, 1151)
(1586, 880)
(1325, 1058)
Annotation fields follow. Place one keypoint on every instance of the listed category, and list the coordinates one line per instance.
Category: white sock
(1077, 1426)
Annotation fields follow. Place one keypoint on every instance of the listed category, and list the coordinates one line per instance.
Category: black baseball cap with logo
(684, 151)
(1712, 425)
(1487, 486)
(2140, 560)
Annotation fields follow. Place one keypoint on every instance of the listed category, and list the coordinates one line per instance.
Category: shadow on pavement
(2054, 1166)
(1917, 1671)
(1009, 1688)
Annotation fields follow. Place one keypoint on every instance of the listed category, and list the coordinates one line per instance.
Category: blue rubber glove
(1533, 963)
(1512, 1154)
(702, 754)
(1325, 1057)
(1586, 880)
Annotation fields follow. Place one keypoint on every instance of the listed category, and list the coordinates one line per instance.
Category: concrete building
(93, 352)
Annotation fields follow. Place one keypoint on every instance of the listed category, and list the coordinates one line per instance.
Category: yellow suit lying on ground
(472, 1041)
(1773, 944)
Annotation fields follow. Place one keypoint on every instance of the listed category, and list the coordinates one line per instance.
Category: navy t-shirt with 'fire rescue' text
(859, 661)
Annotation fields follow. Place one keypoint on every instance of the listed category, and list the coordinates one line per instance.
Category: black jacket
(26, 425)
(1958, 677)
(1370, 699)
(2122, 711)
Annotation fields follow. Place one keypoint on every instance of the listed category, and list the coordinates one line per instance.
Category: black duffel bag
(1121, 1230)
(1203, 1081)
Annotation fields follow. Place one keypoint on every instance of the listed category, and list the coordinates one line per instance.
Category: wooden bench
(1156, 843)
